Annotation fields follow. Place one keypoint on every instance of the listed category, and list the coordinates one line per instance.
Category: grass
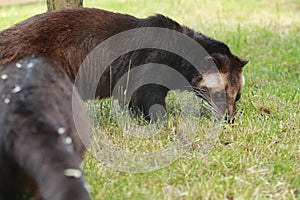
(258, 157)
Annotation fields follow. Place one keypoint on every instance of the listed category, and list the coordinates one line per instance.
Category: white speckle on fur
(4, 76)
(68, 140)
(75, 173)
(30, 65)
(16, 89)
(19, 65)
(6, 100)
(61, 130)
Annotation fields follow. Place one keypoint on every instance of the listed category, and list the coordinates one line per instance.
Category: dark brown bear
(40, 149)
(68, 36)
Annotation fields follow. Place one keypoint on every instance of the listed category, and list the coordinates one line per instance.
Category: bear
(69, 36)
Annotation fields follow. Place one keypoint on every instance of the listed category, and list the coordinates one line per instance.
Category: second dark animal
(40, 147)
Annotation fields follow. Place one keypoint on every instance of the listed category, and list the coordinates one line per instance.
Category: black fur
(33, 156)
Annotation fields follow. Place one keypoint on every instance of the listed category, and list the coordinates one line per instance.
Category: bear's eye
(219, 96)
(238, 96)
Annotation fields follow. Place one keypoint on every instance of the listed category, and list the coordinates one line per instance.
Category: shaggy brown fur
(38, 137)
(67, 36)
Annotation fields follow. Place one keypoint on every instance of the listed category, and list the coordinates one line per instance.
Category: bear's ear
(221, 61)
(244, 61)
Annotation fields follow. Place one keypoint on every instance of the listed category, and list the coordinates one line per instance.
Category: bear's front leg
(150, 99)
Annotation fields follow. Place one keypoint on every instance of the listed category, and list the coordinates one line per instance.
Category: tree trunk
(60, 4)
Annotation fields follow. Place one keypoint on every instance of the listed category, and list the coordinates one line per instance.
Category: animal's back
(66, 36)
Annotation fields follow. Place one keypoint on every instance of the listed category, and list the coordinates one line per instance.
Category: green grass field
(257, 157)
